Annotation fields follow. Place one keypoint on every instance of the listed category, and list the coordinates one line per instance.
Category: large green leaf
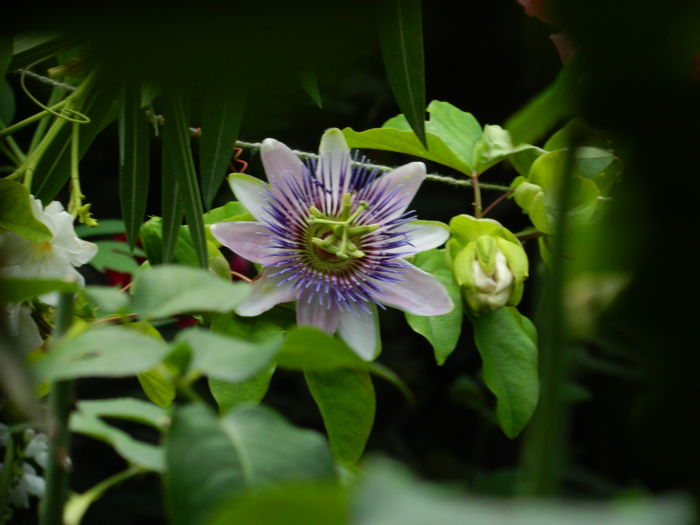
(172, 210)
(108, 351)
(127, 408)
(5, 55)
(209, 459)
(16, 213)
(169, 290)
(222, 112)
(442, 331)
(107, 299)
(229, 358)
(144, 455)
(507, 344)
(450, 133)
(114, 255)
(176, 146)
(153, 242)
(401, 37)
(133, 160)
(347, 403)
(53, 170)
(311, 349)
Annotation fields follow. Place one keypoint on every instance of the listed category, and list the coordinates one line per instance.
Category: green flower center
(336, 238)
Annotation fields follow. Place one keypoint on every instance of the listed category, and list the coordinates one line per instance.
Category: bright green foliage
(107, 299)
(347, 403)
(18, 290)
(209, 459)
(488, 262)
(116, 256)
(230, 395)
(442, 331)
(454, 138)
(507, 343)
(169, 290)
(16, 213)
(310, 349)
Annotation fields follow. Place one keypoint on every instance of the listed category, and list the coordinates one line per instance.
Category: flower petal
(417, 293)
(313, 313)
(360, 330)
(334, 166)
(280, 162)
(265, 293)
(251, 193)
(422, 236)
(400, 185)
(247, 239)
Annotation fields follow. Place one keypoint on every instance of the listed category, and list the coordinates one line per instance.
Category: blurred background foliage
(633, 416)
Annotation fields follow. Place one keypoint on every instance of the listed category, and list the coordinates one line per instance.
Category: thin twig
(46, 80)
(496, 202)
(477, 194)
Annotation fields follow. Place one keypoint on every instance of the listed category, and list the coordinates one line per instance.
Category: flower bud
(489, 263)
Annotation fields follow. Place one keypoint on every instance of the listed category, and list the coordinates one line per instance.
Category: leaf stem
(78, 504)
(60, 404)
(496, 202)
(30, 120)
(474, 176)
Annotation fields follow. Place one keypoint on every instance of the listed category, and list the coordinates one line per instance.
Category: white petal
(251, 193)
(319, 315)
(284, 171)
(403, 183)
(417, 293)
(250, 240)
(265, 294)
(360, 331)
(422, 236)
(334, 165)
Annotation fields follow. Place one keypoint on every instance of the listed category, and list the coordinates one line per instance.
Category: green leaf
(554, 104)
(507, 345)
(293, 504)
(107, 299)
(347, 403)
(151, 235)
(176, 146)
(157, 384)
(232, 395)
(450, 134)
(222, 112)
(172, 210)
(145, 455)
(127, 408)
(310, 349)
(169, 289)
(53, 170)
(18, 290)
(401, 37)
(233, 210)
(228, 358)
(27, 48)
(114, 255)
(133, 160)
(104, 227)
(210, 459)
(16, 213)
(442, 331)
(7, 102)
(5, 56)
(495, 145)
(108, 351)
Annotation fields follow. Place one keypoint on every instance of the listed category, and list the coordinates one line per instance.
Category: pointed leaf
(508, 349)
(307, 348)
(176, 146)
(18, 290)
(222, 112)
(133, 160)
(210, 459)
(232, 395)
(347, 403)
(172, 210)
(401, 37)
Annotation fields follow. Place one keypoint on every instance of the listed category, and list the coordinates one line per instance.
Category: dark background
(635, 426)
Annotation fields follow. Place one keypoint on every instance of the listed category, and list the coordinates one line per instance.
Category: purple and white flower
(333, 237)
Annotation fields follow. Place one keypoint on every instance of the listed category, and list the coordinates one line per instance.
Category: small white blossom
(493, 291)
(53, 259)
(28, 484)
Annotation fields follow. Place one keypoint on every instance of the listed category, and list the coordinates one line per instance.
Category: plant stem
(474, 176)
(79, 503)
(40, 130)
(8, 468)
(60, 404)
(30, 120)
(545, 451)
(496, 202)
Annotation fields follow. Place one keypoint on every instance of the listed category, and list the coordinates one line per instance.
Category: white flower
(492, 291)
(37, 447)
(53, 259)
(29, 484)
